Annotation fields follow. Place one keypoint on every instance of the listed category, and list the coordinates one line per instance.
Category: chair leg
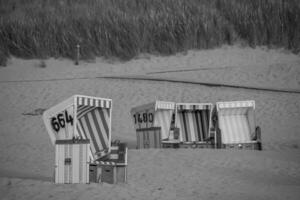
(258, 137)
(219, 138)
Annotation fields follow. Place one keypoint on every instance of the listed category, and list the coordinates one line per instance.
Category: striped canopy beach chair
(152, 123)
(236, 125)
(194, 123)
(82, 117)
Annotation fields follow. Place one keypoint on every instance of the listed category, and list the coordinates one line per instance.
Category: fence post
(77, 54)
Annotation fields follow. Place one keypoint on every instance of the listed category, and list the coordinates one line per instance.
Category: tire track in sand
(209, 84)
(157, 79)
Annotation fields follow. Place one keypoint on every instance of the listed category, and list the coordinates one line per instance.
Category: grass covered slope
(125, 28)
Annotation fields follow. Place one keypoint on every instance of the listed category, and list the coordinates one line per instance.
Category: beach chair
(83, 117)
(152, 123)
(71, 161)
(112, 168)
(236, 128)
(193, 121)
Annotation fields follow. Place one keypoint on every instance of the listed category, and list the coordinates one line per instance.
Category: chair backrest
(236, 121)
(194, 121)
(148, 137)
(155, 114)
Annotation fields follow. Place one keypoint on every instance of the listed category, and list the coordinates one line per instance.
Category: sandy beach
(27, 155)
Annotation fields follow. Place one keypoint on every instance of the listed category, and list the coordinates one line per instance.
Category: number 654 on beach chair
(236, 126)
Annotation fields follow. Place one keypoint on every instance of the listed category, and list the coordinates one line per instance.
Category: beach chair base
(196, 145)
(148, 137)
(111, 174)
(187, 145)
(170, 144)
(111, 169)
(93, 176)
(247, 146)
(71, 161)
(255, 144)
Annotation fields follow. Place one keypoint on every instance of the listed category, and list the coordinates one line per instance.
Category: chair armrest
(257, 134)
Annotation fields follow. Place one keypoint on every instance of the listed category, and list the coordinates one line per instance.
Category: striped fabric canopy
(193, 107)
(93, 122)
(93, 102)
(236, 121)
(164, 105)
(106, 163)
(193, 121)
(163, 119)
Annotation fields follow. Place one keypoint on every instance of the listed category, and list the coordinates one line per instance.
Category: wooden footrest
(196, 145)
(247, 146)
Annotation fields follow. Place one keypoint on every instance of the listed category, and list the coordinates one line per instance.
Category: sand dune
(27, 156)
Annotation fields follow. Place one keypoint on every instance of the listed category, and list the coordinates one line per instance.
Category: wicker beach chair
(236, 127)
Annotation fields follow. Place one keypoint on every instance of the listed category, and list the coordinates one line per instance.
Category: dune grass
(125, 28)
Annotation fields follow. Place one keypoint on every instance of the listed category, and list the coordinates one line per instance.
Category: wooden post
(77, 54)
(219, 138)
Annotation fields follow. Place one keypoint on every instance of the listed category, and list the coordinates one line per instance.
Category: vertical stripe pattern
(148, 138)
(81, 160)
(163, 119)
(193, 121)
(71, 161)
(66, 167)
(93, 102)
(93, 124)
(234, 120)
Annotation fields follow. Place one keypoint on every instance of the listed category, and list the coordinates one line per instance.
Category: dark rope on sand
(146, 78)
(189, 70)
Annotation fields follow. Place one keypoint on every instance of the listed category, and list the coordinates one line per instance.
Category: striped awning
(107, 163)
(93, 102)
(164, 105)
(234, 111)
(154, 105)
(181, 107)
(235, 104)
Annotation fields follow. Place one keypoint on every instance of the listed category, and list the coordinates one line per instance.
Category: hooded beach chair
(82, 117)
(236, 126)
(152, 123)
(193, 120)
